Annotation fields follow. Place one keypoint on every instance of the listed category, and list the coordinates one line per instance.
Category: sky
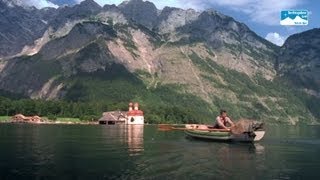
(261, 16)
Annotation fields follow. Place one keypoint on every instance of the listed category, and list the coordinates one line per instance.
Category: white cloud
(39, 3)
(184, 4)
(261, 11)
(103, 2)
(29, 3)
(275, 38)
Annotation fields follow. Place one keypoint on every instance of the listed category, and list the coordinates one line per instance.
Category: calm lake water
(118, 152)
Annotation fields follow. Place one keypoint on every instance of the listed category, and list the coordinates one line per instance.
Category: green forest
(91, 94)
(157, 112)
(88, 95)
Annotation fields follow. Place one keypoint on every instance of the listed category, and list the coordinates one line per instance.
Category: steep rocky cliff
(89, 53)
(19, 27)
(299, 61)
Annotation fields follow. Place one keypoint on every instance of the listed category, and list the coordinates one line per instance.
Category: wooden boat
(207, 132)
(218, 135)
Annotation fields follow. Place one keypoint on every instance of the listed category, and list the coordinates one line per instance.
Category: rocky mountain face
(144, 13)
(19, 27)
(88, 53)
(24, 28)
(299, 61)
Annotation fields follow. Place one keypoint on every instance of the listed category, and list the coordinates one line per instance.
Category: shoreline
(52, 122)
(97, 123)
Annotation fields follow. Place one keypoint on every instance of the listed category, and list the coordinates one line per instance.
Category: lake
(118, 152)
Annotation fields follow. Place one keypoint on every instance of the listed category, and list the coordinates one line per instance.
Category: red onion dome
(135, 113)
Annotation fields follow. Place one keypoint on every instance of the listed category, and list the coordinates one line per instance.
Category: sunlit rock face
(45, 52)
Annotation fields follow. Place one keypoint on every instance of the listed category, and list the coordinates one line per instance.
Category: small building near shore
(26, 119)
(113, 117)
(133, 116)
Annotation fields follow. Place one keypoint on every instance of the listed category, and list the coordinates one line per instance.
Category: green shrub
(52, 117)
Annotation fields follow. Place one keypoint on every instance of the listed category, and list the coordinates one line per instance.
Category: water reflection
(135, 139)
(259, 149)
(228, 154)
(137, 152)
(225, 160)
(26, 151)
(130, 137)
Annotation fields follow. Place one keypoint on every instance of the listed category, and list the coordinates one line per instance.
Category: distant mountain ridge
(89, 53)
(299, 60)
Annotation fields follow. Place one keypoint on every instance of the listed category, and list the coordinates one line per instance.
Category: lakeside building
(20, 118)
(133, 116)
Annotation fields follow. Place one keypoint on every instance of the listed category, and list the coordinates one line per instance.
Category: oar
(169, 127)
(164, 127)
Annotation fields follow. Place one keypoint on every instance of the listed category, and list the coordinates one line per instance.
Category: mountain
(298, 64)
(179, 64)
(299, 61)
(143, 12)
(19, 27)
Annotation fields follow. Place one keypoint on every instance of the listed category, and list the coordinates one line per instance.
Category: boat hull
(225, 136)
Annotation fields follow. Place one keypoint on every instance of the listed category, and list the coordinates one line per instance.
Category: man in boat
(222, 121)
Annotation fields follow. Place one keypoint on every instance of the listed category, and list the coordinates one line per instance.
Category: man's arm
(229, 121)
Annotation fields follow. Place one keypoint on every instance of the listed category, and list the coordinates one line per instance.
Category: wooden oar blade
(164, 127)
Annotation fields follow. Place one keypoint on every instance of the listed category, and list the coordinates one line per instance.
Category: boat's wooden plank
(209, 133)
(200, 127)
(206, 136)
(218, 130)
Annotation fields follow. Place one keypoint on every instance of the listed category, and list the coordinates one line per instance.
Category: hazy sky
(262, 16)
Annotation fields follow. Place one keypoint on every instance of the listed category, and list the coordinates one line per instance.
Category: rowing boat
(244, 131)
(225, 135)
